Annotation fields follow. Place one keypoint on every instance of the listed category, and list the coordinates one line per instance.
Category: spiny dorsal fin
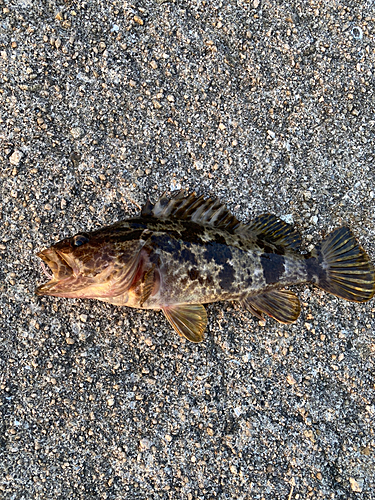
(147, 209)
(185, 206)
(269, 228)
(188, 320)
(282, 305)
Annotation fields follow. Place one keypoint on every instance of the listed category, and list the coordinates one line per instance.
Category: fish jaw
(63, 273)
(67, 280)
(55, 288)
(72, 280)
(55, 261)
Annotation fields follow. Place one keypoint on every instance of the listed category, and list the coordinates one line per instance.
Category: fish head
(91, 265)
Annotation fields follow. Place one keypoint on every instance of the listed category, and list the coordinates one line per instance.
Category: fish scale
(185, 251)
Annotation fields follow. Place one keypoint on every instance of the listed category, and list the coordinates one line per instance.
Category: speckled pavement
(270, 107)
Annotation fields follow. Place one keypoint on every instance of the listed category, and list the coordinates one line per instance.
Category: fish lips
(60, 268)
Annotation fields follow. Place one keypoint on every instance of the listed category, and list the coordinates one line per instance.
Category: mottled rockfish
(186, 251)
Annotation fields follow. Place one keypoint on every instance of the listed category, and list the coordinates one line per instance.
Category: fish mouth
(60, 268)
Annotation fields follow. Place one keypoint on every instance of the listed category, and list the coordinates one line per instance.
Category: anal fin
(188, 320)
(282, 305)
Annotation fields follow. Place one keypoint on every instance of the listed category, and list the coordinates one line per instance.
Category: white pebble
(76, 132)
(15, 158)
(356, 484)
(145, 444)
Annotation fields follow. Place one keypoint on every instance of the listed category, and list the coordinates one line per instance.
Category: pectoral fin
(189, 320)
(282, 305)
(148, 284)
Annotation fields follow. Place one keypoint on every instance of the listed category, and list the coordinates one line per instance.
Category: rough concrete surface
(267, 105)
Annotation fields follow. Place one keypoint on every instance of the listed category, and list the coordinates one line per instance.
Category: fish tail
(340, 266)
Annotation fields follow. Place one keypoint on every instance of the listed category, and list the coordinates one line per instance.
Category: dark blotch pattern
(227, 278)
(137, 225)
(218, 253)
(191, 232)
(187, 255)
(315, 270)
(124, 236)
(273, 267)
(184, 281)
(166, 243)
(193, 273)
(209, 280)
(219, 239)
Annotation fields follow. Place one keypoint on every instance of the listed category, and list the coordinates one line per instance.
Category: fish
(188, 250)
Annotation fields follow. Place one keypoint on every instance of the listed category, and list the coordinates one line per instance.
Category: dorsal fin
(186, 206)
(147, 209)
(269, 228)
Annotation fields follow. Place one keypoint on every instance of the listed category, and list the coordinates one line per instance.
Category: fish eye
(79, 239)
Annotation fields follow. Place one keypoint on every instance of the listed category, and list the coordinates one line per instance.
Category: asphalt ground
(270, 107)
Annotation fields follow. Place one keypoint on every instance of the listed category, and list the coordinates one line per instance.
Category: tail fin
(344, 267)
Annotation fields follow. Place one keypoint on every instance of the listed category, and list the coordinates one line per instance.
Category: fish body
(187, 251)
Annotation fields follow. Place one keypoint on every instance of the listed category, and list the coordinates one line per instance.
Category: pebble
(144, 444)
(357, 33)
(138, 20)
(77, 132)
(15, 157)
(356, 484)
(288, 218)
